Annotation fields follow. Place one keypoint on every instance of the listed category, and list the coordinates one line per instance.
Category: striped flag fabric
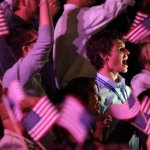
(40, 119)
(3, 24)
(145, 105)
(75, 119)
(147, 129)
(15, 95)
(139, 17)
(139, 29)
(145, 109)
(127, 110)
(15, 91)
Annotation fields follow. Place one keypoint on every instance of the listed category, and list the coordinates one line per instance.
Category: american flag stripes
(137, 113)
(3, 24)
(127, 110)
(40, 119)
(16, 95)
(139, 29)
(138, 19)
(75, 118)
(145, 108)
(147, 129)
(16, 92)
(145, 105)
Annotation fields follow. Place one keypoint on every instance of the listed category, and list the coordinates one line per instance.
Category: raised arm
(96, 18)
(7, 6)
(27, 66)
(45, 13)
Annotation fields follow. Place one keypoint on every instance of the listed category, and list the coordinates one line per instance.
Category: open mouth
(124, 62)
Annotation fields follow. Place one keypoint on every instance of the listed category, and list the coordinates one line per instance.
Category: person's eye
(121, 49)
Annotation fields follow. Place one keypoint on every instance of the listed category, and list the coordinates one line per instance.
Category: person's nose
(126, 51)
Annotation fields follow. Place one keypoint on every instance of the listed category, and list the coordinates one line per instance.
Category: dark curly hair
(101, 42)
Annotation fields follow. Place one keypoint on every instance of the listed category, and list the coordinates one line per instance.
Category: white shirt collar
(111, 82)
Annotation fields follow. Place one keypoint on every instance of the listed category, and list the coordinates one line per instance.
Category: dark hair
(20, 35)
(101, 42)
(81, 87)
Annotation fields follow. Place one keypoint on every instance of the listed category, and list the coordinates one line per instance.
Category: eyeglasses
(31, 42)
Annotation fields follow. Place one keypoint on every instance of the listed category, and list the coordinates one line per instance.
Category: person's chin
(125, 70)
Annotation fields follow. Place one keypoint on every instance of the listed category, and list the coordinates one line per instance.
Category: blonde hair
(145, 54)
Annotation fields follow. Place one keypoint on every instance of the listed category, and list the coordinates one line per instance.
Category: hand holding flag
(128, 110)
(137, 113)
(75, 118)
(40, 118)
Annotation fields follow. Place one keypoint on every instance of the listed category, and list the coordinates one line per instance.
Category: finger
(28, 103)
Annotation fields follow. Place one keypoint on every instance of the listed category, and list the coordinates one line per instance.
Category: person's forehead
(119, 43)
(95, 87)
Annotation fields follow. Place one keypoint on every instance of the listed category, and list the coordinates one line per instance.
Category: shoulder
(138, 77)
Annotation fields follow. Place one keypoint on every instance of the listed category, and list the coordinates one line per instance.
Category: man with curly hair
(108, 54)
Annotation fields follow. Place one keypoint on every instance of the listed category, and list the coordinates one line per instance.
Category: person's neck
(111, 75)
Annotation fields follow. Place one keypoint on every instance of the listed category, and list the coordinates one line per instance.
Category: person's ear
(25, 50)
(104, 56)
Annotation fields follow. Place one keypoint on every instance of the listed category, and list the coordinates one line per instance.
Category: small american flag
(139, 29)
(40, 119)
(3, 24)
(75, 119)
(127, 110)
(16, 92)
(15, 95)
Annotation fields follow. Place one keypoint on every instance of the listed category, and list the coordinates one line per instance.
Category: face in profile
(117, 60)
(28, 44)
(94, 100)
